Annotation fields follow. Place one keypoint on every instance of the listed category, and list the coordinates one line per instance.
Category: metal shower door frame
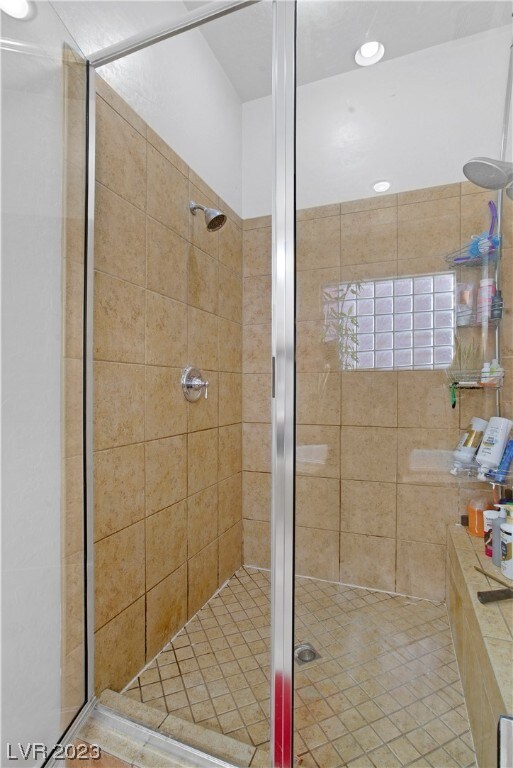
(283, 348)
(88, 375)
(283, 382)
(89, 703)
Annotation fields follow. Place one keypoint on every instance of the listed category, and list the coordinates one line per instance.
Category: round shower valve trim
(193, 384)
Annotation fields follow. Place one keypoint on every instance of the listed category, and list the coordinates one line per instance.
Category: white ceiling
(329, 31)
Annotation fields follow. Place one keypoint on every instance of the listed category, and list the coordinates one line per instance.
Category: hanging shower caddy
(478, 315)
(479, 305)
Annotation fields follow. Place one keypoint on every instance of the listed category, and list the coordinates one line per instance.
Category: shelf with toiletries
(479, 304)
(485, 452)
(478, 297)
(472, 472)
(490, 376)
(467, 316)
(493, 523)
(481, 249)
(462, 257)
(468, 371)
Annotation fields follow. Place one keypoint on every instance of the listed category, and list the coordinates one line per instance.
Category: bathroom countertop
(495, 620)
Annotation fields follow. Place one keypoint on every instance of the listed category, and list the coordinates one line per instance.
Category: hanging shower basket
(482, 249)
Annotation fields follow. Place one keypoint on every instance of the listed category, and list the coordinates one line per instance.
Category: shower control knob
(193, 384)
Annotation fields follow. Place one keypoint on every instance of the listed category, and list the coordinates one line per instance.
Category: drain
(304, 653)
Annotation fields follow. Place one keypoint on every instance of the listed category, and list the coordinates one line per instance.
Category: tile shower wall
(373, 510)
(72, 570)
(167, 473)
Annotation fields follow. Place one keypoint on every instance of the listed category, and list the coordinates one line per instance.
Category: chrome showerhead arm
(193, 207)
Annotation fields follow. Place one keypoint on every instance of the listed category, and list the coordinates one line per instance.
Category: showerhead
(489, 173)
(214, 219)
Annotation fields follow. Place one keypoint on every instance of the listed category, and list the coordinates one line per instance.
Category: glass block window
(403, 322)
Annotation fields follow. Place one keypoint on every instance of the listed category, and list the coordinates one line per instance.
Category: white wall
(32, 153)
(413, 120)
(178, 86)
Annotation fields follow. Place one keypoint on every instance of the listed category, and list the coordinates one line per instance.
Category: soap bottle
(496, 373)
(469, 444)
(485, 373)
(496, 533)
(507, 546)
(493, 444)
(500, 474)
(489, 516)
(475, 511)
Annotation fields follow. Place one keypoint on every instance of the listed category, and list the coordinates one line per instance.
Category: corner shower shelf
(471, 380)
(470, 472)
(470, 319)
(462, 258)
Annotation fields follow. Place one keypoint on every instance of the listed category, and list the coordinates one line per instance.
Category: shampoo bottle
(500, 474)
(489, 516)
(496, 533)
(469, 443)
(507, 547)
(492, 447)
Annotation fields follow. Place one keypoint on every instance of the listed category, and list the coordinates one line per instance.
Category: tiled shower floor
(386, 691)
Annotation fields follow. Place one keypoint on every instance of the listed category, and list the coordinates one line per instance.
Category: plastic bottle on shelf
(497, 306)
(475, 512)
(507, 547)
(469, 444)
(496, 373)
(492, 446)
(500, 474)
(465, 303)
(485, 374)
(496, 533)
(489, 516)
(485, 296)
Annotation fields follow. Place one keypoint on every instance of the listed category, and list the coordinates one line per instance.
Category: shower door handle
(193, 384)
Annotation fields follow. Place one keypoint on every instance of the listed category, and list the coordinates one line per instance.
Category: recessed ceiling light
(381, 186)
(369, 53)
(18, 9)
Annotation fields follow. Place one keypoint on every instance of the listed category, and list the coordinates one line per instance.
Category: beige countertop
(495, 619)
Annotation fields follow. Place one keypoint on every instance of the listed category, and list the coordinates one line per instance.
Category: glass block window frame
(394, 323)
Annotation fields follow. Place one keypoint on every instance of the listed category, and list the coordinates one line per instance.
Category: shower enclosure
(346, 493)
(271, 322)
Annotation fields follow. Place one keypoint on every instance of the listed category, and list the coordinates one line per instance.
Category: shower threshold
(384, 690)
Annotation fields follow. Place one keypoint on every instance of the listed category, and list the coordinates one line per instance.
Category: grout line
(145, 409)
(125, 104)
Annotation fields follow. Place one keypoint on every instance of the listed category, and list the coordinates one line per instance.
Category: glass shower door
(382, 209)
(43, 216)
(190, 619)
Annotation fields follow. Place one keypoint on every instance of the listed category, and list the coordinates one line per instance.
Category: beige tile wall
(168, 482)
(368, 513)
(171, 478)
(72, 571)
